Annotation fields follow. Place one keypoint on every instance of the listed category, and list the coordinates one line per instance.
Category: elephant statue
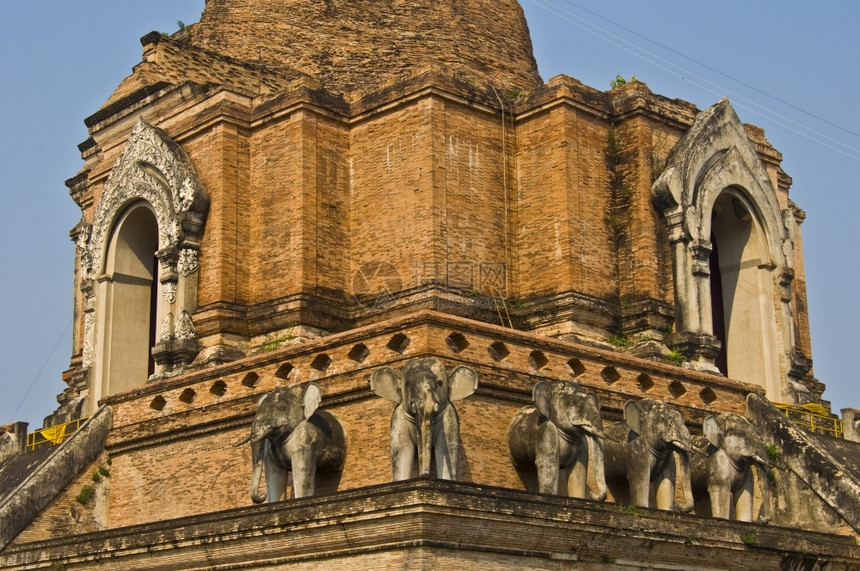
(731, 447)
(424, 417)
(646, 446)
(563, 429)
(288, 433)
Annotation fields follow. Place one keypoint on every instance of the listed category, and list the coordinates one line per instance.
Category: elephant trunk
(595, 459)
(763, 467)
(257, 451)
(424, 424)
(683, 476)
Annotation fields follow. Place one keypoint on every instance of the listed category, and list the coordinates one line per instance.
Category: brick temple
(293, 192)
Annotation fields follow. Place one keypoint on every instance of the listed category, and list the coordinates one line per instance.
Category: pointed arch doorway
(129, 299)
(732, 247)
(742, 307)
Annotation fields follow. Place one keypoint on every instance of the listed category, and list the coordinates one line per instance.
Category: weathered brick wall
(470, 184)
(221, 156)
(297, 218)
(565, 238)
(353, 47)
(394, 193)
(179, 477)
(305, 189)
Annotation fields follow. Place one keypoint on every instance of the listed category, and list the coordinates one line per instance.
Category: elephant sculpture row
(561, 431)
(289, 433)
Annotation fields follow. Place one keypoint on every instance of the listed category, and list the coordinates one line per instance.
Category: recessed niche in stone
(358, 353)
(284, 371)
(610, 374)
(538, 360)
(187, 396)
(645, 383)
(321, 362)
(218, 388)
(498, 351)
(707, 395)
(457, 342)
(398, 343)
(677, 389)
(158, 403)
(576, 367)
(251, 380)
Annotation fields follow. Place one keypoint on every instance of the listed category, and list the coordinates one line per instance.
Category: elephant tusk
(701, 451)
(681, 446)
(762, 462)
(596, 432)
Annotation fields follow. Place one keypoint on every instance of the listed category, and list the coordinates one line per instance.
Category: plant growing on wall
(619, 81)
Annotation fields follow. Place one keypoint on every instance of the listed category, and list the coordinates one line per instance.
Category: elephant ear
(591, 415)
(385, 383)
(462, 382)
(542, 397)
(311, 400)
(633, 416)
(712, 430)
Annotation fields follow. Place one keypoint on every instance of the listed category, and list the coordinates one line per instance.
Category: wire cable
(685, 75)
(42, 368)
(718, 72)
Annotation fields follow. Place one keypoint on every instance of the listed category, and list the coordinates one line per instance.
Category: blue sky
(790, 67)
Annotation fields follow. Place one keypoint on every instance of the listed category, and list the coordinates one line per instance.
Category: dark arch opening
(130, 301)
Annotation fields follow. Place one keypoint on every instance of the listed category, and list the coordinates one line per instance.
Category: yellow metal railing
(53, 434)
(813, 417)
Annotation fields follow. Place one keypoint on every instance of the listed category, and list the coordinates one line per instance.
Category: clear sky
(790, 67)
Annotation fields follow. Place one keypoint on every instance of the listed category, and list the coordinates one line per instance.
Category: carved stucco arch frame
(716, 156)
(153, 169)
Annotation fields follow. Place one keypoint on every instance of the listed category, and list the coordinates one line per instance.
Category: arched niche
(128, 296)
(723, 217)
(141, 249)
(742, 296)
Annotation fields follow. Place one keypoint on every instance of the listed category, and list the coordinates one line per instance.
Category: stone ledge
(441, 516)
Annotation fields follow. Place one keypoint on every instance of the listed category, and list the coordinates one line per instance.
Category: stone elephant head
(290, 433)
(563, 429)
(646, 446)
(733, 447)
(424, 418)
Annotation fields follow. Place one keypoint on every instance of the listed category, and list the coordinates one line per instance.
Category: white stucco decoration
(152, 168)
(188, 263)
(89, 326)
(152, 172)
(185, 327)
(716, 158)
(714, 154)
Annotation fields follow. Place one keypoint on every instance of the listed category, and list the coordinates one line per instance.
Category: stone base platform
(429, 524)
